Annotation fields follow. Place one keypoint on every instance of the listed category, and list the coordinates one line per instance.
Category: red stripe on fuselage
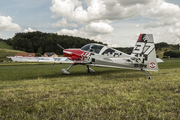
(85, 55)
(82, 55)
(89, 54)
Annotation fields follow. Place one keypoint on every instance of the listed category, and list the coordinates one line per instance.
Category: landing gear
(66, 72)
(149, 77)
(89, 70)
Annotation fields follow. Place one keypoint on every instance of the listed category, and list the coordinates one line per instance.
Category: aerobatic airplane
(143, 57)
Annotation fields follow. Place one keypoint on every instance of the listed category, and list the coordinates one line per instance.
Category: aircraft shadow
(105, 73)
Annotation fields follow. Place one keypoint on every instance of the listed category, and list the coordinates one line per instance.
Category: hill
(7, 50)
(160, 52)
(4, 45)
(163, 49)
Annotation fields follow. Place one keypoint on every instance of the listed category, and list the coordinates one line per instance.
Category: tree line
(38, 42)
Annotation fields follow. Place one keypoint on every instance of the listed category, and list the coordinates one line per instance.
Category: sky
(117, 23)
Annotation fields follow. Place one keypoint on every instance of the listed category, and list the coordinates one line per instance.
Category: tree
(40, 50)
(161, 45)
(172, 54)
(38, 54)
(9, 41)
(46, 42)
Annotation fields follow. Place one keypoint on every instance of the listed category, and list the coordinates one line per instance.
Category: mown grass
(40, 91)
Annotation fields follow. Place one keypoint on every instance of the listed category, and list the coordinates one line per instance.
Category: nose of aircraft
(72, 52)
(67, 52)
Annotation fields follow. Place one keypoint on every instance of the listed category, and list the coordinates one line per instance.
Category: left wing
(42, 59)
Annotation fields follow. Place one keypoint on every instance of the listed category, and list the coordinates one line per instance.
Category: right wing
(42, 59)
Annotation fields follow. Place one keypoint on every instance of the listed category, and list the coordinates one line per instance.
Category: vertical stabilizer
(144, 51)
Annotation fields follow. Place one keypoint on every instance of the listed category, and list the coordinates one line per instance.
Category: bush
(172, 54)
(38, 54)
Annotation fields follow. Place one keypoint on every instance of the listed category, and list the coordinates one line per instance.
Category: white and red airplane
(143, 57)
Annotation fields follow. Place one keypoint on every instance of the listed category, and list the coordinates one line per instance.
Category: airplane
(143, 57)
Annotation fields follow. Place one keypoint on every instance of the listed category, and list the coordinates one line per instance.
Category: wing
(42, 59)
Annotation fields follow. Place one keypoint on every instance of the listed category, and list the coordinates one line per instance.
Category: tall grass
(40, 91)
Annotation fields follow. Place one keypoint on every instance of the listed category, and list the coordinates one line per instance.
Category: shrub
(171, 54)
(38, 54)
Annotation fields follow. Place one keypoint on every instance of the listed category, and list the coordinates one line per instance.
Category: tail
(144, 51)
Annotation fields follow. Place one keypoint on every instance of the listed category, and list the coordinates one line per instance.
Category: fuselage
(93, 49)
(98, 55)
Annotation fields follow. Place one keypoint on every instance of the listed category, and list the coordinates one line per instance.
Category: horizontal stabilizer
(159, 60)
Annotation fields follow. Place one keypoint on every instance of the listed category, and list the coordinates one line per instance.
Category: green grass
(4, 45)
(40, 91)
(7, 50)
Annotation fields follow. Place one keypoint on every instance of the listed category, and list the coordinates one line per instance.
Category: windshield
(92, 48)
(86, 47)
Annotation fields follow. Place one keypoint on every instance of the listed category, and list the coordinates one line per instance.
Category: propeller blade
(60, 46)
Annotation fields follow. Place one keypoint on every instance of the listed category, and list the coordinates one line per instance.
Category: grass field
(40, 91)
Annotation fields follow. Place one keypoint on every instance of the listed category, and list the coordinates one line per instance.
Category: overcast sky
(115, 22)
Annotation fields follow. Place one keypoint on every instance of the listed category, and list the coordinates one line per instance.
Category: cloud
(75, 32)
(94, 17)
(92, 29)
(108, 41)
(84, 34)
(64, 7)
(167, 14)
(100, 9)
(7, 25)
(153, 25)
(29, 30)
(64, 23)
(96, 28)
(167, 17)
(134, 2)
(176, 32)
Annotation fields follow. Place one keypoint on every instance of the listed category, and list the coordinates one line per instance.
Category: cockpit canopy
(96, 48)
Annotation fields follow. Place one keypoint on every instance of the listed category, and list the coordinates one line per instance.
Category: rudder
(144, 51)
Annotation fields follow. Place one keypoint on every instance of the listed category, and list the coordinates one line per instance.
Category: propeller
(60, 46)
